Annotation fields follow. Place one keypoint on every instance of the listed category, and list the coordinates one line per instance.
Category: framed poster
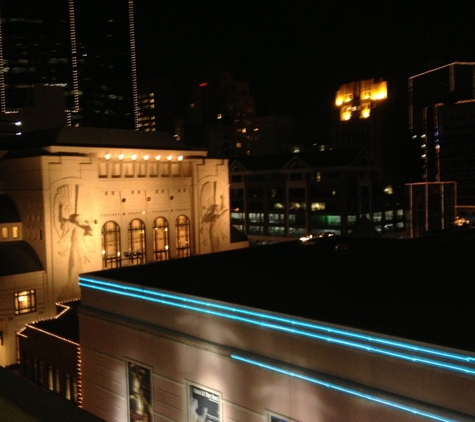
(204, 404)
(139, 391)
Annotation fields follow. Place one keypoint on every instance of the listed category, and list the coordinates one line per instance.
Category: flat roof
(417, 289)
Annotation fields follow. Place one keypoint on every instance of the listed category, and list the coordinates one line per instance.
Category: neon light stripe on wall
(290, 326)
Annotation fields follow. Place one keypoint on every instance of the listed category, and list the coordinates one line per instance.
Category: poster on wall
(204, 405)
(139, 392)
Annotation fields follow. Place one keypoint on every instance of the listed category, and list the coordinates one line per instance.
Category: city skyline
(296, 55)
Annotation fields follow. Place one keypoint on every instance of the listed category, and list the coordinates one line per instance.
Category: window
(50, 378)
(160, 239)
(129, 169)
(183, 246)
(111, 245)
(136, 253)
(389, 215)
(67, 386)
(4, 232)
(25, 302)
(103, 169)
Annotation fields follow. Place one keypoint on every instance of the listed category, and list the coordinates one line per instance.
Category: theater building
(294, 331)
(88, 199)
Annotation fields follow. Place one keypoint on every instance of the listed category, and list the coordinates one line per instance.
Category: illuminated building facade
(89, 200)
(154, 344)
(284, 196)
(22, 280)
(147, 115)
(361, 118)
(444, 85)
(90, 55)
(49, 352)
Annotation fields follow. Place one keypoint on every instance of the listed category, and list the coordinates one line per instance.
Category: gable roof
(307, 159)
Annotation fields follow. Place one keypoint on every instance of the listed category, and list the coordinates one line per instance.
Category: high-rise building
(360, 122)
(427, 92)
(106, 64)
(91, 55)
(221, 114)
(456, 149)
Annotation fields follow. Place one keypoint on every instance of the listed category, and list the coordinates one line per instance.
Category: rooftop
(410, 288)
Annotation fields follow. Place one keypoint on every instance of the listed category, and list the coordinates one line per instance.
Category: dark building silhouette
(90, 54)
(221, 114)
(443, 85)
(456, 158)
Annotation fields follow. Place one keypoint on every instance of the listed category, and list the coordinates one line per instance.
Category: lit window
(183, 246)
(4, 232)
(318, 206)
(25, 302)
(15, 232)
(160, 239)
(50, 378)
(136, 253)
(111, 245)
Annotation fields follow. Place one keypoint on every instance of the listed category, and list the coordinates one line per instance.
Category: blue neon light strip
(342, 389)
(182, 302)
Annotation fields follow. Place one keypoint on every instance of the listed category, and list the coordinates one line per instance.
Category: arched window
(136, 253)
(111, 245)
(160, 239)
(183, 246)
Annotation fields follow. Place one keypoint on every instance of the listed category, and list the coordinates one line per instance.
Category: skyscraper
(37, 47)
(89, 51)
(360, 119)
(427, 92)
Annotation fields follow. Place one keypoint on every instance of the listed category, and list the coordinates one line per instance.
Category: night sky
(296, 53)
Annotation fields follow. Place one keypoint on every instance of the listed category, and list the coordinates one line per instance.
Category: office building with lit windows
(442, 86)
(221, 114)
(361, 119)
(89, 198)
(332, 329)
(90, 55)
(282, 196)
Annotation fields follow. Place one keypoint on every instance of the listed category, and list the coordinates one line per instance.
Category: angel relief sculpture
(72, 206)
(213, 226)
